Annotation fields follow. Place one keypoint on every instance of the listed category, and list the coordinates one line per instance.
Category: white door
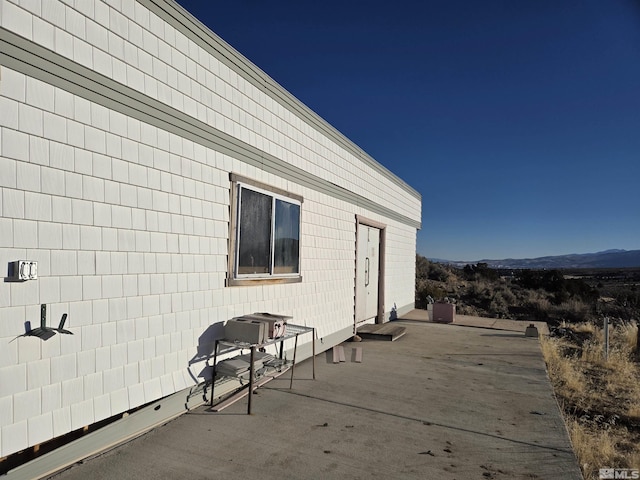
(367, 270)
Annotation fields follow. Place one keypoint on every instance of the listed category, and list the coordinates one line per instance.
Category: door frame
(360, 220)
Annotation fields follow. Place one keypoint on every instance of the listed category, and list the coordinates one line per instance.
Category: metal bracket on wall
(43, 332)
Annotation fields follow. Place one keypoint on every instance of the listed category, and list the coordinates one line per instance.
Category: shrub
(574, 311)
(480, 270)
(425, 289)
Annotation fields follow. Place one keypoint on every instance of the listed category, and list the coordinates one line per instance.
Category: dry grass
(600, 396)
(563, 371)
(634, 411)
(585, 327)
(594, 449)
(629, 335)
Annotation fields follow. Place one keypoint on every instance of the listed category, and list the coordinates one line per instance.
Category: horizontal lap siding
(129, 222)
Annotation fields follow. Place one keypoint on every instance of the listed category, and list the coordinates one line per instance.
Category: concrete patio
(444, 401)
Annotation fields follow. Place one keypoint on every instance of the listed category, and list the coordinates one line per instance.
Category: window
(267, 233)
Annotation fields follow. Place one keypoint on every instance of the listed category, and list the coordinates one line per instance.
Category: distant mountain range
(606, 259)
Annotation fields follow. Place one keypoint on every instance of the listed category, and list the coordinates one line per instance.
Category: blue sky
(517, 121)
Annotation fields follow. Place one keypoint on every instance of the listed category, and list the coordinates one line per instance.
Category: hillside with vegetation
(552, 296)
(598, 393)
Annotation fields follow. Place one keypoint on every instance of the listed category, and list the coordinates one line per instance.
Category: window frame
(237, 279)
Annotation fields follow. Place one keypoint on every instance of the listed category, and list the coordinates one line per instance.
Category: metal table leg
(293, 365)
(213, 372)
(313, 341)
(251, 375)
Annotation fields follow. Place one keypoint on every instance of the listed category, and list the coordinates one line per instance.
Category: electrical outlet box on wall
(22, 270)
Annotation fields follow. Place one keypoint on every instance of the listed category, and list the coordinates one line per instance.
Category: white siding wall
(129, 223)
